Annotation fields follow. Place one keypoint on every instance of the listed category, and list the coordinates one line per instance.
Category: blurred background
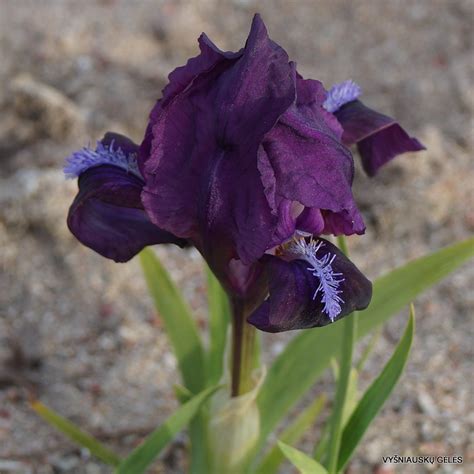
(80, 331)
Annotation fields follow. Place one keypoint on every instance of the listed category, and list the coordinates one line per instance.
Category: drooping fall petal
(312, 284)
(379, 138)
(107, 214)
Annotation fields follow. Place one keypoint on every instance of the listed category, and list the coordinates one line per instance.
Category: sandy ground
(80, 330)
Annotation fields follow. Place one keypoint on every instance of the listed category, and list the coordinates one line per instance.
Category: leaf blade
(219, 320)
(291, 435)
(178, 321)
(303, 462)
(376, 395)
(142, 456)
(77, 435)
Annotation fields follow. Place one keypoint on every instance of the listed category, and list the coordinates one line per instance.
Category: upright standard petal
(202, 181)
(210, 58)
(311, 284)
(379, 138)
(312, 167)
(107, 214)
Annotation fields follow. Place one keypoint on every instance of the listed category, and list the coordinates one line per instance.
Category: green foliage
(73, 432)
(219, 320)
(303, 463)
(141, 457)
(291, 435)
(178, 321)
(376, 395)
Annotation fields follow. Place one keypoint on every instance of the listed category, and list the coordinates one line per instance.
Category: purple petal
(202, 181)
(256, 91)
(311, 96)
(210, 57)
(107, 215)
(310, 166)
(120, 141)
(311, 220)
(379, 138)
(183, 76)
(300, 299)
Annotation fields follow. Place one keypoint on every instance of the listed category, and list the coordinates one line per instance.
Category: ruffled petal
(202, 181)
(107, 215)
(312, 167)
(210, 57)
(379, 138)
(310, 99)
(256, 91)
(297, 299)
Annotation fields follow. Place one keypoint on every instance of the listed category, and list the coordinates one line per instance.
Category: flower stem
(243, 350)
(348, 339)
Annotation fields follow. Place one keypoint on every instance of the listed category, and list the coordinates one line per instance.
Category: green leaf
(181, 393)
(219, 319)
(292, 435)
(303, 463)
(178, 321)
(73, 432)
(376, 395)
(306, 356)
(141, 457)
(199, 449)
(351, 395)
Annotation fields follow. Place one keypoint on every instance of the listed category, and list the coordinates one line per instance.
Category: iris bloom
(243, 159)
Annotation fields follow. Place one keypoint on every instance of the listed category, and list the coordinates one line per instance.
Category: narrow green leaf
(199, 449)
(351, 396)
(376, 395)
(374, 338)
(181, 393)
(219, 319)
(141, 457)
(340, 397)
(301, 461)
(178, 321)
(292, 435)
(306, 356)
(73, 432)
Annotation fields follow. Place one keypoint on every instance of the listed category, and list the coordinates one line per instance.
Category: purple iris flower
(379, 138)
(241, 160)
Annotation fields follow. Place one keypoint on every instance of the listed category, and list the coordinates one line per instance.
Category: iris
(248, 162)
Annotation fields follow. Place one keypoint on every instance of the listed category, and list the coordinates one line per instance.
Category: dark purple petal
(292, 303)
(311, 220)
(183, 76)
(310, 99)
(202, 181)
(379, 138)
(346, 222)
(120, 141)
(107, 215)
(255, 91)
(211, 57)
(309, 166)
